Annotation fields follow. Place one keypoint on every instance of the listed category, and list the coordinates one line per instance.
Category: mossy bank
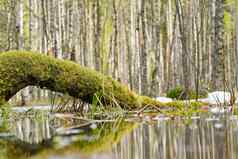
(19, 69)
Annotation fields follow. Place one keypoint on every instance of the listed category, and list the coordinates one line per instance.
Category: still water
(46, 136)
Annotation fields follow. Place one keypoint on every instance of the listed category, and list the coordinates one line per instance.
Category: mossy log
(19, 69)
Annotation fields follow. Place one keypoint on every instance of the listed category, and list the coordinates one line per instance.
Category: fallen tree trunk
(19, 69)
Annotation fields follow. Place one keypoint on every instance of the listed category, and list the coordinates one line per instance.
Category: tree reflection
(44, 137)
(47, 137)
(207, 138)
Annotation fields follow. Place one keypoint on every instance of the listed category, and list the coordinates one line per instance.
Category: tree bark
(97, 31)
(218, 58)
(20, 39)
(143, 52)
(19, 25)
(185, 55)
(115, 41)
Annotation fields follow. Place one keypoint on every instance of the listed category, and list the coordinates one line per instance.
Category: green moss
(4, 115)
(187, 109)
(19, 69)
(178, 93)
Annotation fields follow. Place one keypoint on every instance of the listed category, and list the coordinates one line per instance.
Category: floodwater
(40, 135)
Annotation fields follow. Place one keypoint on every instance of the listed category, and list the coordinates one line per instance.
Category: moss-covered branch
(19, 69)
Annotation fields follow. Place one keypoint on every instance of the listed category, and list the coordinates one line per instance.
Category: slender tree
(218, 55)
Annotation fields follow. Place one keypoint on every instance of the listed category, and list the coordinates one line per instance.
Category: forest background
(150, 45)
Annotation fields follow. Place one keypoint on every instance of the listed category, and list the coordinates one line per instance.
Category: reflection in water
(50, 137)
(198, 139)
(30, 131)
(47, 137)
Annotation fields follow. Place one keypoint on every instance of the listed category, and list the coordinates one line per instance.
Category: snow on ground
(217, 97)
(164, 99)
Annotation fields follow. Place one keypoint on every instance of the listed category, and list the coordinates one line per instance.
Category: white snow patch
(164, 99)
(218, 97)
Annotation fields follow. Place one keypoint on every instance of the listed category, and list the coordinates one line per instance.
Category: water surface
(43, 135)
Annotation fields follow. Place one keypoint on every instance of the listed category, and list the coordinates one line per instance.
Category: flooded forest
(118, 79)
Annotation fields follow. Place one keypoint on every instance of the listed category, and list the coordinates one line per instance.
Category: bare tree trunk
(32, 31)
(58, 32)
(19, 25)
(143, 52)
(20, 39)
(155, 76)
(236, 45)
(218, 57)
(45, 38)
(97, 30)
(128, 49)
(115, 41)
(185, 55)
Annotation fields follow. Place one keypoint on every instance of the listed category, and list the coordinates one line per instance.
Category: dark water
(45, 136)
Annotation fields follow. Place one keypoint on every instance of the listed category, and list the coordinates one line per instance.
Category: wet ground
(39, 134)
